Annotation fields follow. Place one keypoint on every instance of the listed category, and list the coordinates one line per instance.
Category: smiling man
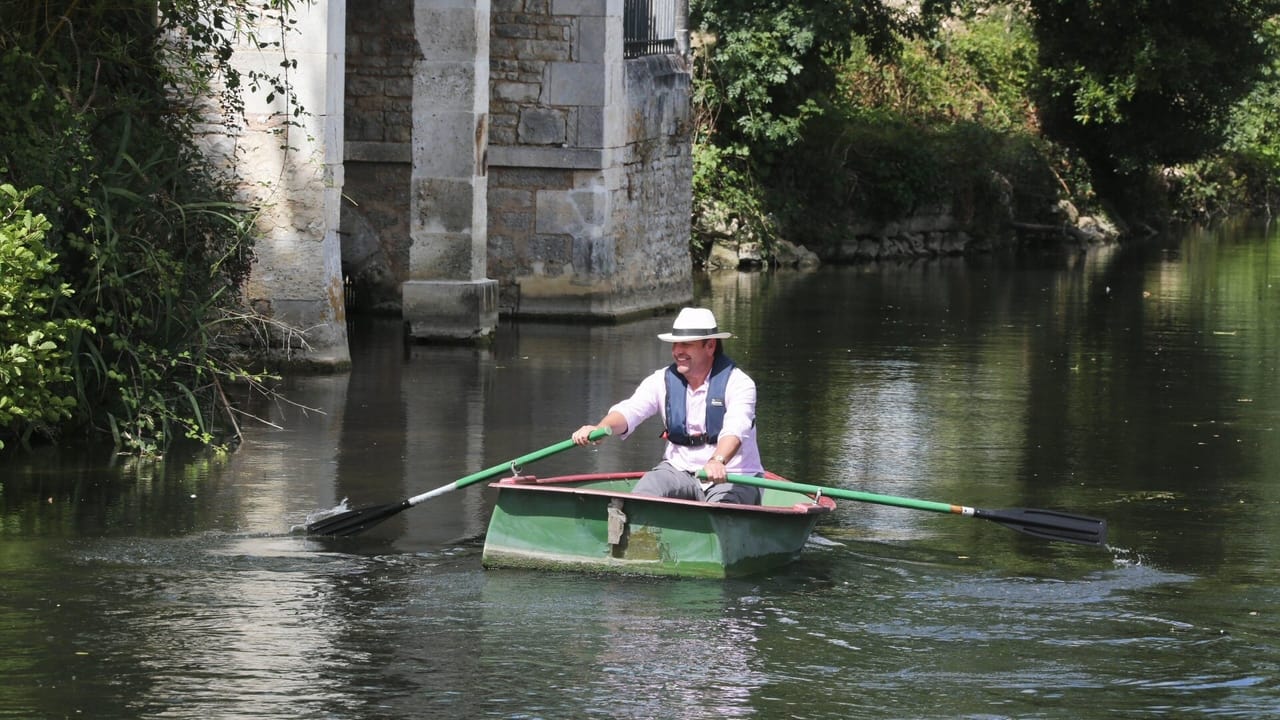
(708, 407)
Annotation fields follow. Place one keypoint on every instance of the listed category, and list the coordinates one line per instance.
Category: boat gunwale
(820, 505)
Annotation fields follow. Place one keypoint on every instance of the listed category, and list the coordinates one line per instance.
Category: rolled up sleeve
(645, 402)
(740, 405)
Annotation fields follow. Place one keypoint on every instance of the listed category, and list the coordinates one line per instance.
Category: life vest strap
(690, 440)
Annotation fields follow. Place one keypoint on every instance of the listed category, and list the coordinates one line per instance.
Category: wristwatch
(720, 459)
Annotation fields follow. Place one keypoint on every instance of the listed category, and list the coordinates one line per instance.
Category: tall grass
(104, 104)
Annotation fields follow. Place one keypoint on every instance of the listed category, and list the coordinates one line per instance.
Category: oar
(1047, 524)
(354, 521)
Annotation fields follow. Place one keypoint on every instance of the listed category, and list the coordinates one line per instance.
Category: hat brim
(671, 338)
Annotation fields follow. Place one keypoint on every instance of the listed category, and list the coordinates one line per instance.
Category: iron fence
(649, 27)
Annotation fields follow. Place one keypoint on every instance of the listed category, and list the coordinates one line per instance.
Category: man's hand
(715, 470)
(581, 435)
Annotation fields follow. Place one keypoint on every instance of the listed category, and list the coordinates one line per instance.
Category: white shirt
(650, 398)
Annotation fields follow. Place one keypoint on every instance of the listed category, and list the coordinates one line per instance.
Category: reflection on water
(1138, 384)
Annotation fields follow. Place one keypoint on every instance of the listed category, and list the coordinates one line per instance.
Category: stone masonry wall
(381, 52)
(526, 37)
(589, 165)
(291, 171)
(654, 202)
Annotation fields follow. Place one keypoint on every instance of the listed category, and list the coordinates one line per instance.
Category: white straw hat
(694, 324)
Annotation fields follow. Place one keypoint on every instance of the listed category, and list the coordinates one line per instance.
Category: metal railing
(648, 27)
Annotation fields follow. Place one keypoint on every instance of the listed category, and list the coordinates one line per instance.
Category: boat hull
(592, 523)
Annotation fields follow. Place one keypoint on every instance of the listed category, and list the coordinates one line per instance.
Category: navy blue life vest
(677, 430)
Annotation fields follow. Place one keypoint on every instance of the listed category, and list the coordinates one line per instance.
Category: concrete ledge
(602, 302)
(450, 310)
(380, 152)
(550, 157)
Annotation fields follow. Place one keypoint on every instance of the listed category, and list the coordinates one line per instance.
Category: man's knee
(666, 481)
(731, 493)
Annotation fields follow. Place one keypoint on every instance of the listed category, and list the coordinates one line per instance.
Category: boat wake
(817, 540)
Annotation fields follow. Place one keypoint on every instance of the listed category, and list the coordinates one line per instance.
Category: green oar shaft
(512, 465)
(360, 519)
(852, 495)
(1046, 524)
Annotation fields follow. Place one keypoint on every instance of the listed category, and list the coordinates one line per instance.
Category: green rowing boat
(592, 523)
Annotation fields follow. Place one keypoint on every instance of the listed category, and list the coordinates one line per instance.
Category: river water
(1140, 384)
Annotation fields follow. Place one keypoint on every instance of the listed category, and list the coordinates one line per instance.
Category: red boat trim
(822, 504)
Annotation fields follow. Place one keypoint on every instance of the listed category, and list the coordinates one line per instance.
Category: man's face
(693, 358)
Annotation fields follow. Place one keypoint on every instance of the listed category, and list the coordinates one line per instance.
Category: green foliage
(876, 165)
(1253, 137)
(994, 61)
(764, 71)
(35, 372)
(105, 106)
(977, 71)
(765, 66)
(944, 120)
(821, 114)
(1131, 85)
(908, 124)
(731, 196)
(1244, 176)
(753, 63)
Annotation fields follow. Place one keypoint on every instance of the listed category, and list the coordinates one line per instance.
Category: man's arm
(739, 419)
(613, 420)
(623, 417)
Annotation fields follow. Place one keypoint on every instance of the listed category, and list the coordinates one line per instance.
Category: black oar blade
(354, 521)
(1050, 524)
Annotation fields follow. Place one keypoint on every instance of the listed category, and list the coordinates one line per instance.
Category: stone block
(376, 152)
(532, 178)
(441, 86)
(549, 157)
(359, 85)
(590, 128)
(512, 223)
(456, 34)
(502, 136)
(551, 250)
(554, 32)
(590, 40)
(399, 129)
(514, 30)
(587, 8)
(443, 256)
(443, 205)
(450, 311)
(542, 50)
(516, 92)
(541, 126)
(576, 212)
(398, 87)
(444, 144)
(507, 200)
(575, 84)
(364, 128)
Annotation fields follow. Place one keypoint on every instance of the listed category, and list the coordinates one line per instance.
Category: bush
(35, 369)
(106, 103)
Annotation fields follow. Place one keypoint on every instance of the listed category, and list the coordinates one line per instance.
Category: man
(708, 405)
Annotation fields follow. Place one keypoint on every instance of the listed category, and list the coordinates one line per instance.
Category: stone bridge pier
(446, 295)
(466, 159)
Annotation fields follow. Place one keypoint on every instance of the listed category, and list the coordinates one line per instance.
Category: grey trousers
(665, 480)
